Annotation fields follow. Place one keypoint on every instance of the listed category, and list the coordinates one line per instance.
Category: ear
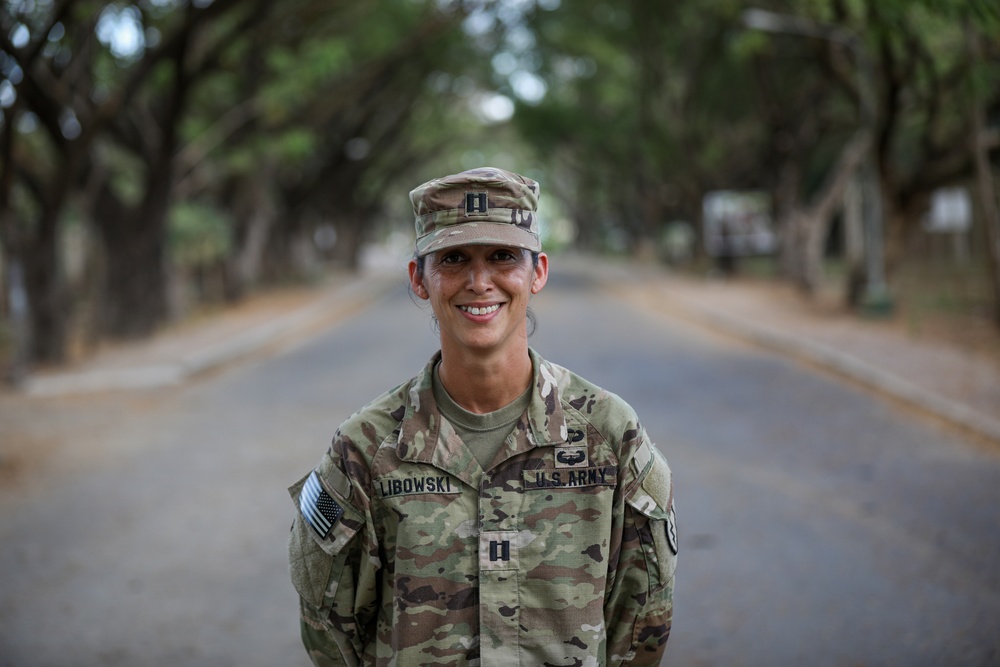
(541, 273)
(416, 283)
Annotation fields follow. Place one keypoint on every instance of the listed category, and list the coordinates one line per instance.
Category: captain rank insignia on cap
(477, 203)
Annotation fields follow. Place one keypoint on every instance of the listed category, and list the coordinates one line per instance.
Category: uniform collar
(545, 413)
(426, 437)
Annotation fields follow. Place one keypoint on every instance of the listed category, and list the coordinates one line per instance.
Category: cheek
(437, 288)
(525, 281)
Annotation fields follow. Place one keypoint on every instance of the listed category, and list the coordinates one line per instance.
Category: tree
(983, 140)
(135, 232)
(360, 116)
(645, 107)
(67, 83)
(920, 77)
(647, 100)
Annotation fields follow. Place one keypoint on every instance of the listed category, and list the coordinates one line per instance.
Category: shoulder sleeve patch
(319, 510)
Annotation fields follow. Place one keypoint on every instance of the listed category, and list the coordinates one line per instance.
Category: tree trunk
(854, 253)
(254, 212)
(817, 229)
(136, 289)
(985, 184)
(810, 225)
(135, 239)
(351, 226)
(793, 260)
(37, 245)
(986, 189)
(786, 209)
(137, 295)
(278, 263)
(46, 294)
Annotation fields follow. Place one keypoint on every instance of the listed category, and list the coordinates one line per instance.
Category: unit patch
(408, 486)
(570, 477)
(672, 531)
(319, 509)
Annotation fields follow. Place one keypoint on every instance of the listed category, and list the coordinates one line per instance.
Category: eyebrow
(514, 250)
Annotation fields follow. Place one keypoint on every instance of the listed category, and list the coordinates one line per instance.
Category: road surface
(819, 525)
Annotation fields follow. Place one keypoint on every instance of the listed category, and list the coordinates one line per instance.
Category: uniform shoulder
(605, 410)
(368, 428)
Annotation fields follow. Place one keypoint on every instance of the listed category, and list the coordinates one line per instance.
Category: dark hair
(421, 262)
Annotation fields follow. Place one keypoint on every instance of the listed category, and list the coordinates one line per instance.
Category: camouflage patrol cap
(483, 206)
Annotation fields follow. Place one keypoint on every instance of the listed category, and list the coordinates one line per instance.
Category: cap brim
(478, 233)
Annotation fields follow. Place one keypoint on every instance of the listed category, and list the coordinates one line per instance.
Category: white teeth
(481, 311)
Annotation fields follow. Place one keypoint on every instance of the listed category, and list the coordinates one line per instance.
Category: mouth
(480, 310)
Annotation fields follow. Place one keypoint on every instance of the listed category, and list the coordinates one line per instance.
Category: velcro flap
(338, 482)
(654, 495)
(658, 483)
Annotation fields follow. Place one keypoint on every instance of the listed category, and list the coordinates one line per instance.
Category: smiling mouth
(485, 310)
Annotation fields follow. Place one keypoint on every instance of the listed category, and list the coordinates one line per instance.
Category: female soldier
(496, 509)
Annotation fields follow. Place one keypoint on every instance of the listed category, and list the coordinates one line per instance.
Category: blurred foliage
(199, 234)
(643, 112)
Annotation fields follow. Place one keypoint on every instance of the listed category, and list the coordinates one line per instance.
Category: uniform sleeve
(334, 565)
(639, 607)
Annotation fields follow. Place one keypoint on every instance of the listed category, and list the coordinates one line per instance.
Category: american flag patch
(319, 509)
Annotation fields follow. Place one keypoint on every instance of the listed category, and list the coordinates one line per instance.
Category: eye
(451, 257)
(506, 255)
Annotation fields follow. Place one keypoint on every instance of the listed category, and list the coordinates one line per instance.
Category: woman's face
(480, 294)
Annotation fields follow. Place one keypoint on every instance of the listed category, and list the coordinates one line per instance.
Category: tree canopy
(235, 142)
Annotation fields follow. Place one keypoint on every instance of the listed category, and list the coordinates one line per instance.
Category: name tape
(570, 477)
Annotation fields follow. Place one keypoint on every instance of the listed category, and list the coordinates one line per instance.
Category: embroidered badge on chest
(571, 457)
(319, 509)
(573, 453)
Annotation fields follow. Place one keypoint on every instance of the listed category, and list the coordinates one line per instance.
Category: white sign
(951, 211)
(738, 223)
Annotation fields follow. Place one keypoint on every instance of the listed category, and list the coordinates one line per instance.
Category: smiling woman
(479, 295)
(497, 509)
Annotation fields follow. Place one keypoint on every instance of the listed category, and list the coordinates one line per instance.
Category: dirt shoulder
(949, 368)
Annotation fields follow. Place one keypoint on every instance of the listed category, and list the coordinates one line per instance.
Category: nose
(479, 278)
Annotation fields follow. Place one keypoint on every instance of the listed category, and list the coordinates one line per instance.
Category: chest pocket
(656, 523)
(324, 525)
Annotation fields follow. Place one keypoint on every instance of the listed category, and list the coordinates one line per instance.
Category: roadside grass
(934, 299)
(950, 301)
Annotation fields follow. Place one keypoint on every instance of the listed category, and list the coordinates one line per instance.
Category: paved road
(819, 525)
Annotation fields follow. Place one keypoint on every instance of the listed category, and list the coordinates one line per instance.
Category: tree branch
(832, 191)
(57, 17)
(167, 49)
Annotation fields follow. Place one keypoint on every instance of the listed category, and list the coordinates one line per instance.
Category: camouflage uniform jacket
(405, 552)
